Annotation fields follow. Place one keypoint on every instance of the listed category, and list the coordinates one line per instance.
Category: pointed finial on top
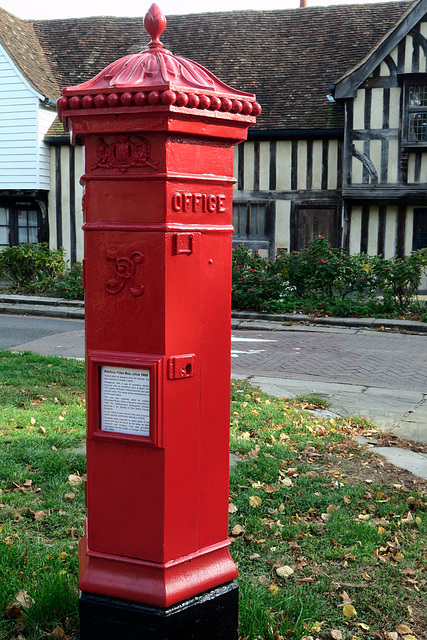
(155, 24)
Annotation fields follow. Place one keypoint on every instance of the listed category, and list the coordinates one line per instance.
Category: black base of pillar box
(212, 615)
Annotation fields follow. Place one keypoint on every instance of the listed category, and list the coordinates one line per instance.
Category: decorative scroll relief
(125, 270)
(125, 400)
(128, 151)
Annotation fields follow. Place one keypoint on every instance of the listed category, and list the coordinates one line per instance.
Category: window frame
(408, 81)
(418, 212)
(262, 243)
(13, 227)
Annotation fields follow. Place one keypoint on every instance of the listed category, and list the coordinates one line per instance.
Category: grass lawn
(330, 542)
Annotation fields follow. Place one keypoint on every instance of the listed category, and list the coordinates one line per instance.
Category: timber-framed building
(340, 148)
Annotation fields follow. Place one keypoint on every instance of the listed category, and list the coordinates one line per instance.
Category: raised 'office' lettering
(198, 202)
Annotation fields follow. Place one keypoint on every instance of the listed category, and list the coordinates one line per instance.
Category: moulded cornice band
(156, 226)
(169, 176)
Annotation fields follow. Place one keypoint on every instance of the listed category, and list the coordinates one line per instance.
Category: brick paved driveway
(359, 357)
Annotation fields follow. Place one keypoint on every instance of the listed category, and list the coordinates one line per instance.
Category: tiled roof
(287, 57)
(21, 42)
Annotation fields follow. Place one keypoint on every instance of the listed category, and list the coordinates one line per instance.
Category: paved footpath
(348, 356)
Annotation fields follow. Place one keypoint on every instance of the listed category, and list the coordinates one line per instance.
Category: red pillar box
(159, 132)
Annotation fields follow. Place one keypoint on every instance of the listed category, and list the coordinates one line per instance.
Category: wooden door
(310, 223)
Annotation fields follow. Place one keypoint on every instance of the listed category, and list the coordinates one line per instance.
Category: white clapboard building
(340, 148)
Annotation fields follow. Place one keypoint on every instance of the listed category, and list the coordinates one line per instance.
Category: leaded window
(417, 113)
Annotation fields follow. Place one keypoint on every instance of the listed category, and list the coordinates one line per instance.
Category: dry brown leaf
(58, 632)
(391, 635)
(39, 515)
(403, 628)
(284, 572)
(74, 479)
(346, 598)
(287, 482)
(325, 516)
(255, 501)
(43, 430)
(70, 496)
(13, 610)
(349, 611)
(237, 530)
(336, 634)
(271, 489)
(24, 599)
(232, 508)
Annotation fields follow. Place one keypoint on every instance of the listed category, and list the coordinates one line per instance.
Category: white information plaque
(125, 400)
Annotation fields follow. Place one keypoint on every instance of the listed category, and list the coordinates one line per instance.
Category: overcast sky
(47, 9)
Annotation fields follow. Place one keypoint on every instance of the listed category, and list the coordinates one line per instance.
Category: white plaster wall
(264, 166)
(283, 165)
(283, 224)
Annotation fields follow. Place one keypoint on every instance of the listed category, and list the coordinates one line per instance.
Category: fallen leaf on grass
(232, 508)
(70, 496)
(271, 489)
(346, 598)
(38, 515)
(58, 632)
(74, 479)
(336, 634)
(13, 610)
(255, 501)
(284, 572)
(24, 599)
(391, 635)
(238, 530)
(349, 611)
(403, 628)
(363, 626)
(274, 588)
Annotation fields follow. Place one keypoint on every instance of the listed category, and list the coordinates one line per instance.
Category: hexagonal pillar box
(159, 133)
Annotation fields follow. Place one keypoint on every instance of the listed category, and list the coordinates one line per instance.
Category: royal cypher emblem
(125, 269)
(128, 151)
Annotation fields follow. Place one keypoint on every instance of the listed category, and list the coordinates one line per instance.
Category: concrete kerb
(251, 320)
(283, 321)
(42, 306)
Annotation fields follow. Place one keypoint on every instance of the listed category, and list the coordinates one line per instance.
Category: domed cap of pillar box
(157, 80)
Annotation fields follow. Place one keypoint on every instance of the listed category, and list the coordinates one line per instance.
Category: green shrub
(32, 267)
(70, 284)
(256, 282)
(320, 278)
(399, 278)
(321, 269)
